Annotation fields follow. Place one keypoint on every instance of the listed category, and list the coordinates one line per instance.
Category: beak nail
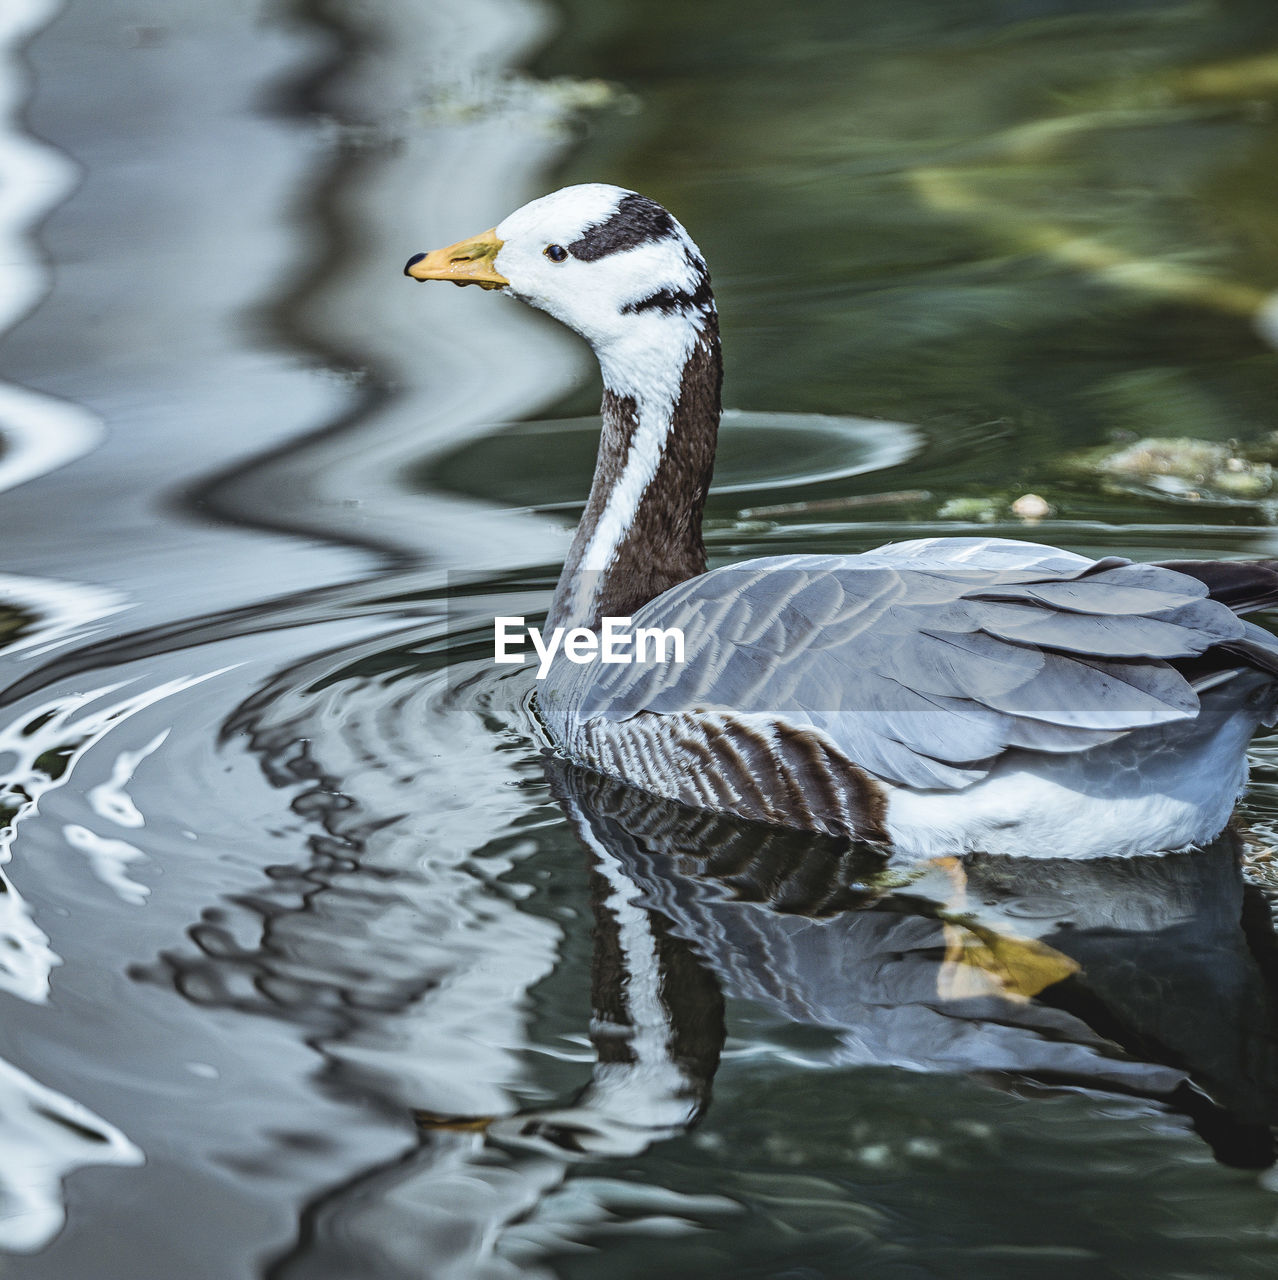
(416, 258)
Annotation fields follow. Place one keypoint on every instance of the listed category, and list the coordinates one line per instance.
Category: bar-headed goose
(934, 696)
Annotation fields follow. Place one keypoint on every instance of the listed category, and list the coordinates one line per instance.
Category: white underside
(1154, 791)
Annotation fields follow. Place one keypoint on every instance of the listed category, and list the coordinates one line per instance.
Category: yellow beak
(466, 262)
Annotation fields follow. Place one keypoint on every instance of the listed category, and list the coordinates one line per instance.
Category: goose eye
(555, 252)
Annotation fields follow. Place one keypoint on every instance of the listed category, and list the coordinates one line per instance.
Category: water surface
(310, 967)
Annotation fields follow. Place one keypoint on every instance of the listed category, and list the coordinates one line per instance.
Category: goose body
(935, 696)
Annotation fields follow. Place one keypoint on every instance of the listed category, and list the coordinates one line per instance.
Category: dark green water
(308, 967)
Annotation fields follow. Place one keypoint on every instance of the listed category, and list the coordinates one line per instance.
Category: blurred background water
(309, 968)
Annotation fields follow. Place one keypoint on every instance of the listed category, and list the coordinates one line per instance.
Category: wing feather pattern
(925, 662)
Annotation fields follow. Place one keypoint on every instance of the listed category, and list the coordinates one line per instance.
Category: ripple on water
(44, 1136)
(548, 464)
(37, 432)
(363, 933)
(329, 952)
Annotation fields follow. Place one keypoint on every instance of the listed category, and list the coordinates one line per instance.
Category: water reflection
(1150, 976)
(547, 1000)
(44, 1136)
(427, 936)
(314, 934)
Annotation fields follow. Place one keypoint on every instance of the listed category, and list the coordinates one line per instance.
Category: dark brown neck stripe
(663, 546)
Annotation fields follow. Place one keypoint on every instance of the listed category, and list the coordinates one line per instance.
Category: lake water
(311, 964)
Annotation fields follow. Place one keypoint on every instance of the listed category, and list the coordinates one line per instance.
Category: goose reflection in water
(1153, 977)
(1055, 1026)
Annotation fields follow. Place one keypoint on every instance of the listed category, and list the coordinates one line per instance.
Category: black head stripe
(670, 300)
(637, 221)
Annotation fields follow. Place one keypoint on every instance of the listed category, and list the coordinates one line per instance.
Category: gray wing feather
(924, 666)
(1090, 634)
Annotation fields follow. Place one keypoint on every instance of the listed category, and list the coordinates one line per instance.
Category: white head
(607, 262)
(617, 268)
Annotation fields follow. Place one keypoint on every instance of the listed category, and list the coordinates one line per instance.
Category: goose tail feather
(1244, 585)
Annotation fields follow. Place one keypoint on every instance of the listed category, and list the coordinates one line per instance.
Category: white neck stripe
(644, 457)
(642, 460)
(629, 373)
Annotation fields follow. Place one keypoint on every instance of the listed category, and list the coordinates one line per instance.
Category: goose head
(623, 273)
(609, 263)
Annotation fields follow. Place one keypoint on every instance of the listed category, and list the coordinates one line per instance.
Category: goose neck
(641, 531)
